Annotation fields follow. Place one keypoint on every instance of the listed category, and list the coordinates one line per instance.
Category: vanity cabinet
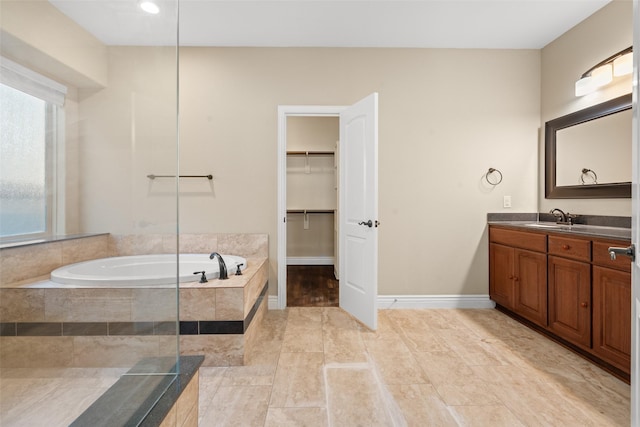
(518, 266)
(612, 306)
(570, 300)
(567, 287)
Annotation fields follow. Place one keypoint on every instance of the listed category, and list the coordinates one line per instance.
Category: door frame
(285, 111)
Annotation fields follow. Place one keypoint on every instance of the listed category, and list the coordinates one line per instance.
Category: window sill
(37, 241)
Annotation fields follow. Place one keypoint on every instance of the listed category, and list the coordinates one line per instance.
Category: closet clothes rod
(310, 211)
(152, 176)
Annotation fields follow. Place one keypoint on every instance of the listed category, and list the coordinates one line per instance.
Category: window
(28, 115)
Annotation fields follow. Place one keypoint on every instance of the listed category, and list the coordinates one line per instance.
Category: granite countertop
(612, 227)
(576, 229)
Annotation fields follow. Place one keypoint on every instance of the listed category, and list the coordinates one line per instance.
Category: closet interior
(312, 202)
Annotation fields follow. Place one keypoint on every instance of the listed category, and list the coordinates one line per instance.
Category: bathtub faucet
(221, 264)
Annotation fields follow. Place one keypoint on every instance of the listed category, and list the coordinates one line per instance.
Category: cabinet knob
(515, 278)
(566, 247)
(584, 305)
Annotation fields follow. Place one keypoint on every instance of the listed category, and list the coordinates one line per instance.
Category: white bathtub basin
(143, 270)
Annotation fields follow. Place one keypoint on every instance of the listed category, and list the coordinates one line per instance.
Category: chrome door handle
(629, 251)
(368, 223)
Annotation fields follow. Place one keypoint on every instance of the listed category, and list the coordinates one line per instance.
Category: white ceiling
(501, 24)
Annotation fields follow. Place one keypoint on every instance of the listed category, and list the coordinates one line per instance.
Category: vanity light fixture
(602, 73)
(149, 6)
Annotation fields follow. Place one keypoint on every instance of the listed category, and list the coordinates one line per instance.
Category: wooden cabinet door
(501, 288)
(612, 316)
(530, 277)
(570, 300)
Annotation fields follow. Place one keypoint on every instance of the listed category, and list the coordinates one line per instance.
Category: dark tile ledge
(144, 395)
(616, 227)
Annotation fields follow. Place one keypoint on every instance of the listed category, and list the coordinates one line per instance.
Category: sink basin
(547, 225)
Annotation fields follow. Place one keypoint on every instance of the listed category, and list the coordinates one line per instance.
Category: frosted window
(23, 159)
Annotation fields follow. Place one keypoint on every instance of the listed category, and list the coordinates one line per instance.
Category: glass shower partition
(89, 117)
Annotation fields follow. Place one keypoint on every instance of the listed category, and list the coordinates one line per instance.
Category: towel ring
(586, 171)
(491, 171)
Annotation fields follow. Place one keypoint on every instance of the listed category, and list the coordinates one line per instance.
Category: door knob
(629, 251)
(368, 223)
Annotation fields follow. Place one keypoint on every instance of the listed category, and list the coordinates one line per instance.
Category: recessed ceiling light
(149, 7)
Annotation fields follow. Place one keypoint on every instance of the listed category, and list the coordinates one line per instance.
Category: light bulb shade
(602, 75)
(623, 65)
(149, 7)
(584, 86)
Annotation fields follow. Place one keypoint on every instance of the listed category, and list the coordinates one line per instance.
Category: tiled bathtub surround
(100, 327)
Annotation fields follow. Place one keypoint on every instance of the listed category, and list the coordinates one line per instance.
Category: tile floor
(319, 367)
(51, 396)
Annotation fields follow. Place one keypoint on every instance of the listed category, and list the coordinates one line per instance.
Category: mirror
(588, 153)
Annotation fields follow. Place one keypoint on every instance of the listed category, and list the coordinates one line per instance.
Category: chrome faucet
(221, 264)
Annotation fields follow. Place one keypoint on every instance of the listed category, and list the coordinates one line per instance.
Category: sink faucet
(561, 217)
(222, 266)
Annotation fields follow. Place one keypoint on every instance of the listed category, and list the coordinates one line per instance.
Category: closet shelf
(310, 153)
(310, 211)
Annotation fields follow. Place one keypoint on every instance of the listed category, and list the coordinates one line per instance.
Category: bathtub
(143, 270)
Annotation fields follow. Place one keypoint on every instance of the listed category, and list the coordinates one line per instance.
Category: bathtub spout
(221, 264)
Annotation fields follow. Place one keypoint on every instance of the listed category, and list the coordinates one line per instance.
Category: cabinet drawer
(601, 256)
(570, 248)
(518, 239)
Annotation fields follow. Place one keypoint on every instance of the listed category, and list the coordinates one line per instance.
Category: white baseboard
(421, 301)
(319, 260)
(273, 302)
(434, 301)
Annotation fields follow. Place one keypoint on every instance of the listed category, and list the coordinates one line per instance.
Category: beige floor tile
(296, 417)
(298, 381)
(343, 346)
(472, 393)
(420, 368)
(396, 364)
(303, 332)
(242, 406)
(386, 328)
(355, 396)
(303, 339)
(425, 340)
(538, 404)
(209, 380)
(249, 375)
(301, 316)
(445, 367)
(483, 416)
(605, 407)
(421, 405)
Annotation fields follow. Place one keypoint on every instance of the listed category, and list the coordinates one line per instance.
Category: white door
(635, 231)
(358, 210)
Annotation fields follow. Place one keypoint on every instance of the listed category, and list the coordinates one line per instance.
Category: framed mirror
(588, 153)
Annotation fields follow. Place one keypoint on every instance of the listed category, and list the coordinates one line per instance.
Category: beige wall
(125, 132)
(446, 116)
(563, 61)
(39, 36)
